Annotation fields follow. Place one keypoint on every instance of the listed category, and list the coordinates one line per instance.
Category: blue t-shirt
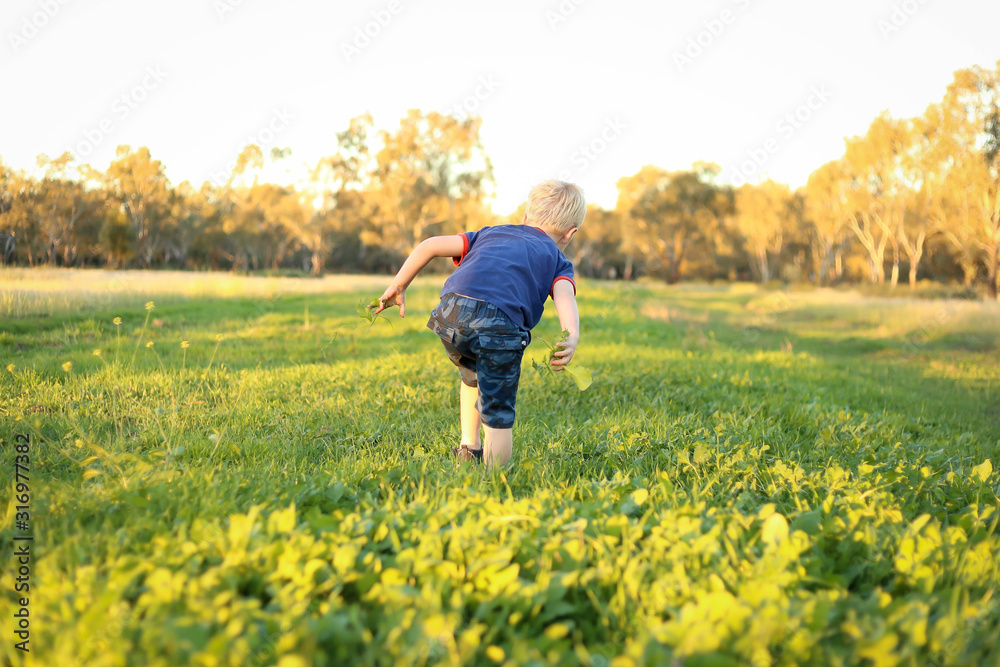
(514, 267)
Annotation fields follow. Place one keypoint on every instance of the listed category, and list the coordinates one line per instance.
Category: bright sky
(586, 90)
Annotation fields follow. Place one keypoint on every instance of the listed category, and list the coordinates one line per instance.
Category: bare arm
(569, 319)
(436, 246)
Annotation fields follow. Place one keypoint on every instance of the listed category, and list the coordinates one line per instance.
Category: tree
(138, 182)
(334, 184)
(762, 216)
(422, 169)
(116, 238)
(963, 150)
(876, 198)
(16, 223)
(62, 206)
(596, 249)
(665, 213)
(187, 208)
(826, 211)
(914, 178)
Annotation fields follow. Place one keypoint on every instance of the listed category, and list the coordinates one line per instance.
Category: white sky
(229, 64)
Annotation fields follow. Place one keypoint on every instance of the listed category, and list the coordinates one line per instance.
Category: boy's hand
(563, 356)
(393, 296)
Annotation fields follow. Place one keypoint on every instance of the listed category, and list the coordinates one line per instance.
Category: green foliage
(268, 496)
(366, 311)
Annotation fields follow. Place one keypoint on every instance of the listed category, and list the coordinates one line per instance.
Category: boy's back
(514, 267)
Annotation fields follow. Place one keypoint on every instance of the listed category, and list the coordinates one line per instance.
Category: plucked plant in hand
(366, 311)
(581, 375)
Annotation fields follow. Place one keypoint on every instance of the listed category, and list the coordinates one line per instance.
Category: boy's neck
(556, 237)
(547, 233)
(552, 235)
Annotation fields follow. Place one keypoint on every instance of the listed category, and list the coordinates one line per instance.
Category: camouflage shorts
(487, 347)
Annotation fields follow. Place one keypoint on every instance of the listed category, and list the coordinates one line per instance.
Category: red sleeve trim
(465, 250)
(558, 278)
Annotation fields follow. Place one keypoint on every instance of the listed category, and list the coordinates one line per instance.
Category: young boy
(492, 301)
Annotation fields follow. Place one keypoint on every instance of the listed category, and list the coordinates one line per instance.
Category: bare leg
(499, 444)
(470, 416)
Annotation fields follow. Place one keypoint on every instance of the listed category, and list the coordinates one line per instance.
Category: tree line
(917, 195)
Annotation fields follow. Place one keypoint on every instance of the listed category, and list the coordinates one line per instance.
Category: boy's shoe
(463, 453)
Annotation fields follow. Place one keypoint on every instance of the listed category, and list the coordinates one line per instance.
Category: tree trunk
(880, 262)
(914, 251)
(822, 253)
(9, 249)
(317, 262)
(895, 261)
(992, 273)
(876, 251)
(676, 257)
(762, 268)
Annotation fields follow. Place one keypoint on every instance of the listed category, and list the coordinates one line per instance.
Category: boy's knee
(469, 377)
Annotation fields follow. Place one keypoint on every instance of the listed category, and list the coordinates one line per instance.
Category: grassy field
(247, 474)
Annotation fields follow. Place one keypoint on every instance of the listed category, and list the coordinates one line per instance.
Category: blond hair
(555, 205)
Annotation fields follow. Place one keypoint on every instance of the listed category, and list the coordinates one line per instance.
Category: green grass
(755, 477)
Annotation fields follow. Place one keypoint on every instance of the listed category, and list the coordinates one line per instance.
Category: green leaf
(920, 522)
(581, 376)
(700, 454)
(501, 579)
(775, 529)
(808, 522)
(983, 471)
(367, 313)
